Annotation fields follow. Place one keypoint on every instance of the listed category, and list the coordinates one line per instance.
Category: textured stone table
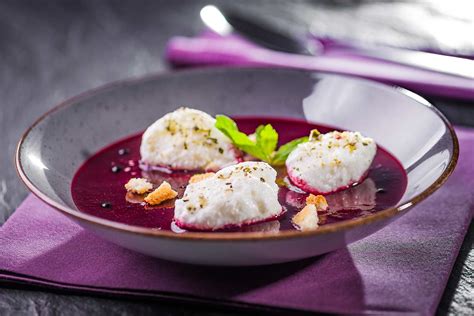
(53, 50)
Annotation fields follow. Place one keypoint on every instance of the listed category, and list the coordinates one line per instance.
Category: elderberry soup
(190, 171)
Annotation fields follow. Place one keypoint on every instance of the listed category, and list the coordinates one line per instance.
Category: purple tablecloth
(211, 49)
(402, 268)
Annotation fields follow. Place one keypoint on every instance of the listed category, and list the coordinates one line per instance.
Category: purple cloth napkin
(213, 50)
(402, 268)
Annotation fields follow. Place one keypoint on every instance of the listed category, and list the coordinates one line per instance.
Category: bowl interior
(402, 122)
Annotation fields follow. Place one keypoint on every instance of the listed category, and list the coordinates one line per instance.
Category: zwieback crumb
(318, 200)
(307, 218)
(138, 185)
(163, 193)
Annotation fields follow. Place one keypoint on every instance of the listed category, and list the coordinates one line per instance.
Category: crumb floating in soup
(138, 186)
(307, 218)
(163, 193)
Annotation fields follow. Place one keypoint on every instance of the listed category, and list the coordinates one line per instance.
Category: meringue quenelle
(330, 162)
(245, 193)
(187, 139)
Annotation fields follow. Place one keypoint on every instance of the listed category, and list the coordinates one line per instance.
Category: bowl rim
(231, 236)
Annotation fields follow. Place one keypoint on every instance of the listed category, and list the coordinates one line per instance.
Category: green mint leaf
(264, 146)
(226, 125)
(280, 156)
(229, 128)
(267, 140)
(253, 150)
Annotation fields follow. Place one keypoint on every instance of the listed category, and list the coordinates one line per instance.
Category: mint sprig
(284, 151)
(265, 144)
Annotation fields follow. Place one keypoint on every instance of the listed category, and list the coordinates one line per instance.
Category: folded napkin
(212, 50)
(402, 268)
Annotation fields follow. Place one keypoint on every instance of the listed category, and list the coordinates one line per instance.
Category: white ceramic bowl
(407, 125)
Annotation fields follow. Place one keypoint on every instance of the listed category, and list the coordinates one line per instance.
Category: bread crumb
(138, 185)
(317, 200)
(307, 218)
(200, 177)
(162, 193)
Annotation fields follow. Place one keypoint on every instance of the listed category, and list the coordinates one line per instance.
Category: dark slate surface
(52, 50)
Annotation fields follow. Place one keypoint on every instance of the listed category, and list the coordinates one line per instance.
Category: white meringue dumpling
(330, 162)
(187, 139)
(238, 195)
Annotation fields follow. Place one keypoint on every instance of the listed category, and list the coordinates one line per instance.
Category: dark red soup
(98, 185)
